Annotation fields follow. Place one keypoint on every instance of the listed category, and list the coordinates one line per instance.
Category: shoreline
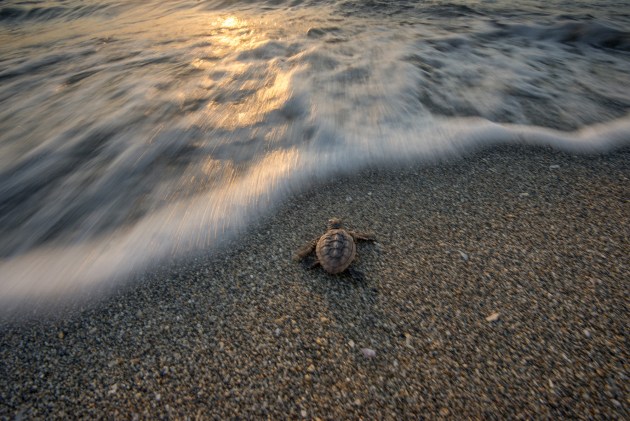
(497, 288)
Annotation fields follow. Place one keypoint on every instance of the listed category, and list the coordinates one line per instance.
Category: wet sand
(498, 288)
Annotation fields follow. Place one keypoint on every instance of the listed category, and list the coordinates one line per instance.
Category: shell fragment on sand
(493, 317)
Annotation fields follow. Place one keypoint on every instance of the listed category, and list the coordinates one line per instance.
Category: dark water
(136, 131)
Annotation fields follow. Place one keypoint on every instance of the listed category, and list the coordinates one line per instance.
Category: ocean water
(133, 132)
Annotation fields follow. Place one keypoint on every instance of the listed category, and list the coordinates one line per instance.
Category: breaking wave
(168, 129)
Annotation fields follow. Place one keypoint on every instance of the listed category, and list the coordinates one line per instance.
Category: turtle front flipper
(362, 236)
(305, 250)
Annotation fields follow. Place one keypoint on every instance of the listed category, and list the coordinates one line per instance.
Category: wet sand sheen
(498, 287)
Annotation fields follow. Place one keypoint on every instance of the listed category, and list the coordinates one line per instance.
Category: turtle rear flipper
(314, 264)
(305, 250)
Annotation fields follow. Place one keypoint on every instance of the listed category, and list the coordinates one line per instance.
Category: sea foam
(167, 132)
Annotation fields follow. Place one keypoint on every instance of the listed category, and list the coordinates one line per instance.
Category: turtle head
(334, 223)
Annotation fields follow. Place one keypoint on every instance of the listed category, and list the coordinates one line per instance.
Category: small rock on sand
(368, 353)
(493, 317)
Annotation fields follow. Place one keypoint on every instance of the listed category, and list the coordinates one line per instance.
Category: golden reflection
(273, 168)
(268, 172)
(218, 169)
(202, 63)
(249, 78)
(230, 22)
(248, 102)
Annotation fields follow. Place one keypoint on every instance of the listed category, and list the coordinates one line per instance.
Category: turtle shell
(335, 250)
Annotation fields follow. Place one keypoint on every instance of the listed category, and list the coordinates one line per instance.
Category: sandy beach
(498, 288)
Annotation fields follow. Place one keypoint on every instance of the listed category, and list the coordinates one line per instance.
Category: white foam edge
(58, 274)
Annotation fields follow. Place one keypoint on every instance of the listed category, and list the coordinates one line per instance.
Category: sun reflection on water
(230, 22)
(244, 83)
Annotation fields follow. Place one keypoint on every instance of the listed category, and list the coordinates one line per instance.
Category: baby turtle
(336, 249)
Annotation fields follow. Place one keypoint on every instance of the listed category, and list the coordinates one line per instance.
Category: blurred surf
(132, 132)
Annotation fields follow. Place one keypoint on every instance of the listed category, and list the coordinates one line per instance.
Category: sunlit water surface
(132, 132)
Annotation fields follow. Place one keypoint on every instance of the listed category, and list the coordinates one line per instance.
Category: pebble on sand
(368, 353)
(493, 317)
